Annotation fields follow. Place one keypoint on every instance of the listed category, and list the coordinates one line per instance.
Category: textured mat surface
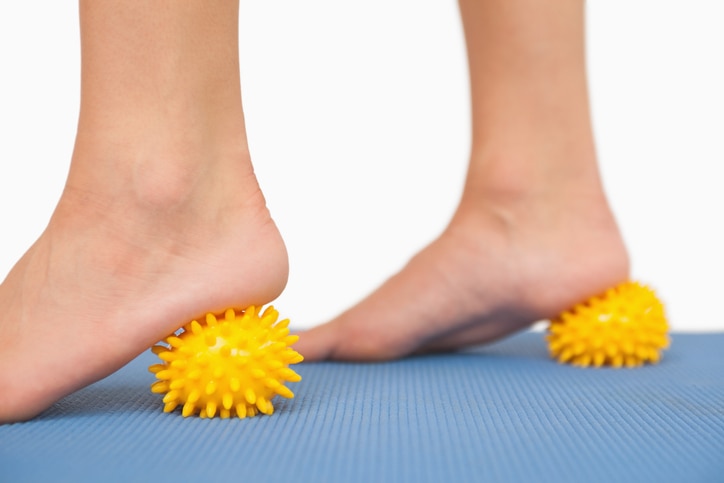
(501, 413)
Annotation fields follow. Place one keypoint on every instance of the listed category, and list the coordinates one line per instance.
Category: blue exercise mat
(504, 412)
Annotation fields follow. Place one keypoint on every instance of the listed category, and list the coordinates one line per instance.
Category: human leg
(533, 233)
(161, 218)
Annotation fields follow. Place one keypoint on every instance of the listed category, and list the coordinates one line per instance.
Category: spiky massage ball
(231, 366)
(626, 326)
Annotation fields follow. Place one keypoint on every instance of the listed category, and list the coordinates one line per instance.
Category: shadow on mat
(104, 399)
(526, 345)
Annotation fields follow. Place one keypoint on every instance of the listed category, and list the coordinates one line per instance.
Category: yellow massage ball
(230, 365)
(626, 326)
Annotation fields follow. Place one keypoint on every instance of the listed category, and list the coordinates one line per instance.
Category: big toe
(318, 343)
(350, 340)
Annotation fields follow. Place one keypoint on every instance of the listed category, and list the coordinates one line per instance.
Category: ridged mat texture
(504, 412)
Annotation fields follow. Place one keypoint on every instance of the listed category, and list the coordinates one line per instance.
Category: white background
(358, 123)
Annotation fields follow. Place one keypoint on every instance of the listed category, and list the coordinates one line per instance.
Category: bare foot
(503, 263)
(161, 219)
(112, 274)
(533, 234)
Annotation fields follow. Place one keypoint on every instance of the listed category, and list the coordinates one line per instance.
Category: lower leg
(161, 219)
(533, 233)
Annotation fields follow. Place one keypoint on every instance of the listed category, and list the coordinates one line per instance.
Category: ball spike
(234, 384)
(284, 391)
(196, 328)
(170, 406)
(188, 409)
(230, 315)
(211, 408)
(168, 356)
(193, 396)
(159, 387)
(264, 405)
(156, 368)
(170, 396)
(159, 349)
(174, 341)
(228, 400)
(240, 410)
(210, 388)
(211, 320)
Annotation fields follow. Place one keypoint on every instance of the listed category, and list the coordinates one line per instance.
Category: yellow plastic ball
(626, 326)
(232, 365)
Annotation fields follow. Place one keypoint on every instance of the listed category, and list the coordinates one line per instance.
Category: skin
(533, 233)
(162, 220)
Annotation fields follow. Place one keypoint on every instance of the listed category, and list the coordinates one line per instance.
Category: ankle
(162, 171)
(546, 169)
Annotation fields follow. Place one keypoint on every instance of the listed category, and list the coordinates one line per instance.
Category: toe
(318, 343)
(350, 340)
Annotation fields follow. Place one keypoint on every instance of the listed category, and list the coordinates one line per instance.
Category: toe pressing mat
(504, 412)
